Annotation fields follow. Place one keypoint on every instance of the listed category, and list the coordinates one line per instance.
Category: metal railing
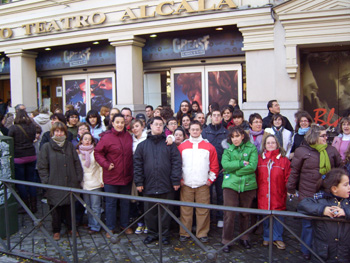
(161, 204)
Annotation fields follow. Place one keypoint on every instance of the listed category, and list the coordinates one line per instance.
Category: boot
(21, 210)
(33, 203)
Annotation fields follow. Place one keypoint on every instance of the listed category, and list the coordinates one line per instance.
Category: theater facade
(132, 53)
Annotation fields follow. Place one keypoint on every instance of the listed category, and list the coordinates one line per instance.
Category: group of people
(217, 158)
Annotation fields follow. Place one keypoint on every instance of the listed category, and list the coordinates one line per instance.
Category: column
(128, 51)
(23, 79)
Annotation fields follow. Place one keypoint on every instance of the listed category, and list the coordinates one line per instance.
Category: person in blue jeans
(23, 132)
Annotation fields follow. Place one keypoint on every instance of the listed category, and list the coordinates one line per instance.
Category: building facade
(132, 53)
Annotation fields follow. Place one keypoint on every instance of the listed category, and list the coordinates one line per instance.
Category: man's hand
(139, 188)
(169, 140)
(176, 187)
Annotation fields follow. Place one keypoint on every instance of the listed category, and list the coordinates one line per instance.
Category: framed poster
(89, 91)
(223, 83)
(187, 84)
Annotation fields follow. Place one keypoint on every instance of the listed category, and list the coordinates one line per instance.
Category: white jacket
(199, 162)
(93, 175)
(287, 139)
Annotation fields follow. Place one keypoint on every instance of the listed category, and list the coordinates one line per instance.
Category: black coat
(297, 140)
(157, 166)
(59, 166)
(331, 240)
(215, 134)
(267, 122)
(46, 138)
(23, 142)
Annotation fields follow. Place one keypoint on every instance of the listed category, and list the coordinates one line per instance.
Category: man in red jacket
(200, 167)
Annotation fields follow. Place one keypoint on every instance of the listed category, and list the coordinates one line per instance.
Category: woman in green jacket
(239, 162)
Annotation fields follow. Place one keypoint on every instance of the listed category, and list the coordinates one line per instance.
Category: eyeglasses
(304, 121)
(172, 123)
(324, 136)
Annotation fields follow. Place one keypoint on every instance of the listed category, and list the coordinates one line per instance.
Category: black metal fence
(73, 194)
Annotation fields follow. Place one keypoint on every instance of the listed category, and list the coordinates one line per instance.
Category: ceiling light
(219, 28)
(48, 49)
(153, 35)
(95, 43)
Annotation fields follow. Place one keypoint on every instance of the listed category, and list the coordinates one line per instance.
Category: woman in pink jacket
(272, 175)
(342, 141)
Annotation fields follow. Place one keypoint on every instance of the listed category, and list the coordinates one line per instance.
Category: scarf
(303, 131)
(257, 141)
(325, 164)
(59, 140)
(278, 133)
(85, 151)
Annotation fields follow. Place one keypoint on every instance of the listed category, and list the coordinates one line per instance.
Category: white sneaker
(145, 231)
(140, 228)
(220, 224)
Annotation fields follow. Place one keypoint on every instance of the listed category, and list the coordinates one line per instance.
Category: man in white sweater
(199, 170)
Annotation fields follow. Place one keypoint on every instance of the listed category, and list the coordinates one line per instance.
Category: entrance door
(206, 84)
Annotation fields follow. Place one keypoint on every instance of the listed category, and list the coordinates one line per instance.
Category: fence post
(160, 230)
(74, 227)
(7, 223)
(270, 236)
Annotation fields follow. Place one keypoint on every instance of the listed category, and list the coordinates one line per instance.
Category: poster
(188, 86)
(101, 93)
(222, 86)
(75, 92)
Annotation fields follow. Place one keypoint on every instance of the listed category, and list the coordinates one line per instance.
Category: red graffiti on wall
(323, 112)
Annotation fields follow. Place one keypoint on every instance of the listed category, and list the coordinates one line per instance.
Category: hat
(140, 116)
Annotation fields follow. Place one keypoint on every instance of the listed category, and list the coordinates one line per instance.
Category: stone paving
(97, 248)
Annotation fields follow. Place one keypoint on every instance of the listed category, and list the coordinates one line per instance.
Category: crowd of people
(214, 158)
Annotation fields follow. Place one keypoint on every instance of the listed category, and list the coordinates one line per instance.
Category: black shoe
(245, 244)
(307, 256)
(226, 249)
(165, 241)
(149, 239)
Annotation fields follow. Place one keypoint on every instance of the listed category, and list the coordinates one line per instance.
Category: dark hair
(275, 117)
(133, 122)
(195, 122)
(199, 107)
(170, 119)
(214, 106)
(166, 112)
(58, 116)
(93, 141)
(185, 115)
(254, 116)
(38, 129)
(344, 119)
(60, 126)
(226, 107)
(301, 114)
(71, 113)
(149, 106)
(237, 114)
(270, 103)
(239, 130)
(126, 108)
(279, 147)
(179, 112)
(93, 114)
(117, 115)
(182, 130)
(22, 117)
(156, 118)
(332, 178)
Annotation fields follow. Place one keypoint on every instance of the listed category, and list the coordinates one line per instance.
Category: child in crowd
(331, 239)
(92, 179)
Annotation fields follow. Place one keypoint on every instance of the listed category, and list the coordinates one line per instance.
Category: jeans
(306, 235)
(277, 229)
(111, 206)
(94, 201)
(26, 172)
(217, 214)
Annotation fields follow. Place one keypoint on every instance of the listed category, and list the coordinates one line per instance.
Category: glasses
(304, 121)
(324, 136)
(172, 123)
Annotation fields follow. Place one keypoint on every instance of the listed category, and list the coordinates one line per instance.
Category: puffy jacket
(272, 175)
(331, 240)
(23, 145)
(305, 170)
(92, 175)
(337, 142)
(157, 166)
(115, 147)
(59, 166)
(237, 176)
(199, 162)
(215, 134)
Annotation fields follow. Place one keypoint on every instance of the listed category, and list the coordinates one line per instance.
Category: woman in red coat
(114, 154)
(272, 175)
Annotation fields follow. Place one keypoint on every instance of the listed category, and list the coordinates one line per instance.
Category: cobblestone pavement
(97, 248)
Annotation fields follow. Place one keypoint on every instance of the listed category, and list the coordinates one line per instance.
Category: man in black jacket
(274, 108)
(157, 173)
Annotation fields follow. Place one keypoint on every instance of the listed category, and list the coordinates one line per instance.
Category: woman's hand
(328, 211)
(111, 166)
(245, 163)
(337, 211)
